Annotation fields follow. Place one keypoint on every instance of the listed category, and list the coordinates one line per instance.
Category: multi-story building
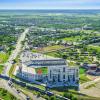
(51, 71)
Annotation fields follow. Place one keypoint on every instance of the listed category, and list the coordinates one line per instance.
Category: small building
(97, 72)
(2, 48)
(89, 66)
(94, 71)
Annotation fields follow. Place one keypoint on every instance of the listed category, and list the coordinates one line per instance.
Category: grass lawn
(3, 57)
(1, 68)
(94, 47)
(82, 71)
(83, 76)
(72, 39)
(49, 48)
(12, 70)
(5, 95)
(43, 70)
(90, 86)
(34, 50)
(53, 54)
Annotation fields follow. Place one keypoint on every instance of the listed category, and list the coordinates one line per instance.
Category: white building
(51, 71)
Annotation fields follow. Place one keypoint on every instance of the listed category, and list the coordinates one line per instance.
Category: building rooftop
(90, 65)
(29, 56)
(28, 69)
(36, 59)
(46, 63)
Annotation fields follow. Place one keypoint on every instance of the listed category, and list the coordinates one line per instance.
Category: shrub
(52, 98)
(74, 98)
(46, 97)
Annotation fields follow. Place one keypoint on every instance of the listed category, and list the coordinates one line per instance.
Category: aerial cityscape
(49, 50)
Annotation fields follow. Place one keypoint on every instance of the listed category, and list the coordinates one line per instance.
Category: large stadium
(36, 67)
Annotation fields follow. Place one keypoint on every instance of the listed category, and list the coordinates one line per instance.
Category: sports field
(49, 49)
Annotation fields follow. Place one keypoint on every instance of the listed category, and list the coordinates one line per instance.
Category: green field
(83, 76)
(82, 71)
(5, 95)
(1, 68)
(43, 70)
(49, 48)
(3, 57)
(53, 54)
(72, 39)
(94, 47)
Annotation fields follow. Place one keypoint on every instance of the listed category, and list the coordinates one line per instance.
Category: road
(8, 65)
(31, 95)
(13, 91)
(84, 85)
(14, 53)
(91, 90)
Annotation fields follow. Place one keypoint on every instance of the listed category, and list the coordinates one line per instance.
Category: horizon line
(52, 9)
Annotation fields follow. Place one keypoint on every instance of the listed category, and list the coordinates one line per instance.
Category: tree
(74, 98)
(46, 97)
(4, 92)
(64, 56)
(68, 95)
(52, 98)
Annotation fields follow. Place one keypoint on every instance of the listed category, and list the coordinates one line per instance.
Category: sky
(49, 4)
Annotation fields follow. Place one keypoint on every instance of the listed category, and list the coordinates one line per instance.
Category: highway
(14, 53)
(12, 90)
(8, 65)
(84, 85)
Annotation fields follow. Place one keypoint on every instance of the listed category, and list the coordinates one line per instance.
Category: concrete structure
(89, 66)
(51, 71)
